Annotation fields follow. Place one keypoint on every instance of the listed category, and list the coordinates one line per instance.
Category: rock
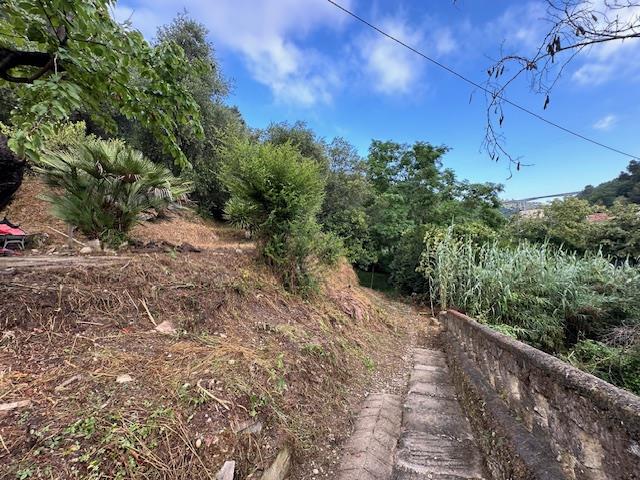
(7, 407)
(124, 378)
(227, 471)
(279, 469)
(94, 245)
(67, 382)
(86, 250)
(187, 247)
(249, 426)
(167, 328)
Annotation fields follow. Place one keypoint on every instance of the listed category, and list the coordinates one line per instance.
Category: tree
(300, 136)
(12, 169)
(626, 186)
(221, 124)
(61, 56)
(574, 25)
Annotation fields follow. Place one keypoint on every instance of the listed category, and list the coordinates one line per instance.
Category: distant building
(598, 217)
(533, 213)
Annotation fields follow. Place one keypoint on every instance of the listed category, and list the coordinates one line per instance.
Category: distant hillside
(626, 185)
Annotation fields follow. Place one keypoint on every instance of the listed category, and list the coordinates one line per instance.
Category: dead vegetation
(251, 368)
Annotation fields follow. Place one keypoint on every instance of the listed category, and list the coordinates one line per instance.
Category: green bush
(102, 187)
(276, 193)
(554, 297)
(617, 365)
(405, 274)
(582, 308)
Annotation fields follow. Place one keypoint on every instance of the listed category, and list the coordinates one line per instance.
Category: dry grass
(247, 351)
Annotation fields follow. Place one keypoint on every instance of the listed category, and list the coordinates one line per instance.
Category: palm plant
(102, 186)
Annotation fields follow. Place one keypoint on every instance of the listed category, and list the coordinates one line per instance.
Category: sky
(290, 60)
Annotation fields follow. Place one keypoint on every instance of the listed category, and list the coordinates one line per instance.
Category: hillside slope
(248, 370)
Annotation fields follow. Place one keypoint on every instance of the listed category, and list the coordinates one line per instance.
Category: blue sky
(305, 60)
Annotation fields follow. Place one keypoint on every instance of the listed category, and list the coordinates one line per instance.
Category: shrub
(102, 187)
(553, 297)
(276, 193)
(617, 365)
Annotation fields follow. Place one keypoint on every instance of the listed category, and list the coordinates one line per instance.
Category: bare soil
(251, 368)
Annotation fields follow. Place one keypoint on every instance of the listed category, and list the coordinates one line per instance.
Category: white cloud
(269, 36)
(606, 123)
(444, 41)
(519, 26)
(605, 62)
(391, 67)
(616, 58)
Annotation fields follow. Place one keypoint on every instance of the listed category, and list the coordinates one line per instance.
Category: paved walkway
(428, 438)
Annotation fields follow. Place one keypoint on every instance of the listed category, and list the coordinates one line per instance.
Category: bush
(276, 193)
(405, 274)
(554, 298)
(102, 187)
(617, 365)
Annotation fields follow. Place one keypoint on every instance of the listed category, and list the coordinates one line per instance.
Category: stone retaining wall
(591, 428)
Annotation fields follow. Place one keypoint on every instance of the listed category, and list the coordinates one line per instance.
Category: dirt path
(50, 261)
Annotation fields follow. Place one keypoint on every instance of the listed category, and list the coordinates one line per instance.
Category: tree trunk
(11, 173)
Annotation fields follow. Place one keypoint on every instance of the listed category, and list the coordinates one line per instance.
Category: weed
(314, 349)
(369, 363)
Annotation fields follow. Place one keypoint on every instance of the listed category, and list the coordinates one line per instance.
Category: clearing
(161, 362)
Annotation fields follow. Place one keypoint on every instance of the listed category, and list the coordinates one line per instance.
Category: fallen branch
(225, 403)
(68, 236)
(144, 304)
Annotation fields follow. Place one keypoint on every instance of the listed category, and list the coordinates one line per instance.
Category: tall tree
(61, 56)
(625, 186)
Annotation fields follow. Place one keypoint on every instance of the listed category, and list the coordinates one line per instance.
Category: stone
(67, 382)
(86, 250)
(7, 407)
(166, 328)
(124, 378)
(279, 469)
(249, 426)
(94, 245)
(227, 471)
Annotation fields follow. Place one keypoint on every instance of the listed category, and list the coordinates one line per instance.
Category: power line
(477, 85)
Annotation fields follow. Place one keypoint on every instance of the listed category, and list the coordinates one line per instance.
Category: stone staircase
(424, 436)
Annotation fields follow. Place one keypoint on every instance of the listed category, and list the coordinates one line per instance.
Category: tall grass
(550, 298)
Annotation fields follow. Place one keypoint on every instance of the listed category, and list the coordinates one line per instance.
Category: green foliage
(617, 365)
(301, 137)
(276, 193)
(619, 237)
(541, 294)
(92, 61)
(565, 223)
(407, 259)
(103, 186)
(625, 187)
(348, 194)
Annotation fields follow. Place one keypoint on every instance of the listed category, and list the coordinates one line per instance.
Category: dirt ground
(243, 369)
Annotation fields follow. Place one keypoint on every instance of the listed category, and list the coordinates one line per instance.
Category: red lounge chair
(11, 236)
